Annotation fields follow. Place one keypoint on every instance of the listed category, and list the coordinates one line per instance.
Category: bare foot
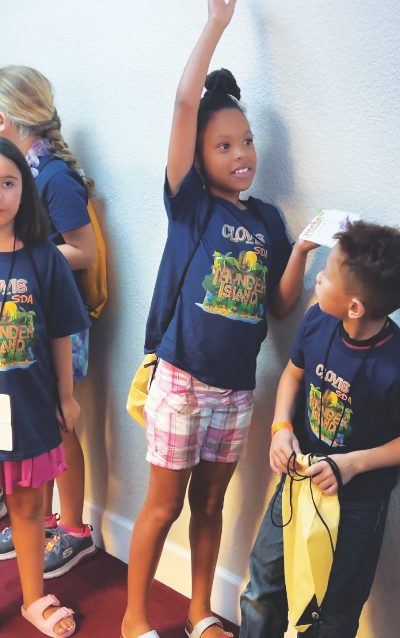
(64, 625)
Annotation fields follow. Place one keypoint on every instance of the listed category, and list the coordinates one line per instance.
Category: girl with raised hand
(201, 399)
(28, 118)
(39, 308)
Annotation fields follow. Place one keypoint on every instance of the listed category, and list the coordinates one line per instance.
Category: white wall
(322, 86)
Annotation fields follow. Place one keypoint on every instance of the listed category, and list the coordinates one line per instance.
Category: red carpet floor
(96, 589)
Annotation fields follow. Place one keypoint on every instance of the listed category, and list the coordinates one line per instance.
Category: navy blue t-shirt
(33, 313)
(64, 196)
(219, 321)
(360, 394)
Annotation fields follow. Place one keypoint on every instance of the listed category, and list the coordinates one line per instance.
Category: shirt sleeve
(190, 195)
(394, 406)
(66, 313)
(281, 246)
(66, 202)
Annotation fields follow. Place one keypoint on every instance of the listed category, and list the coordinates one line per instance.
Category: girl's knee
(25, 504)
(26, 511)
(206, 506)
(163, 514)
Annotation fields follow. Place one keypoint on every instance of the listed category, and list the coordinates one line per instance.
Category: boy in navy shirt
(345, 363)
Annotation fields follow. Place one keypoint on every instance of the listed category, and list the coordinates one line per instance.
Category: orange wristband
(281, 425)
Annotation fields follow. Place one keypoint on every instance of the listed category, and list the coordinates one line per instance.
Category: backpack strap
(189, 261)
(252, 206)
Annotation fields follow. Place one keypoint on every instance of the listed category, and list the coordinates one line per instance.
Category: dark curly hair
(372, 259)
(31, 222)
(222, 92)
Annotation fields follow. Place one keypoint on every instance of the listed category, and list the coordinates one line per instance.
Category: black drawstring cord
(324, 371)
(13, 257)
(338, 477)
(292, 474)
(153, 372)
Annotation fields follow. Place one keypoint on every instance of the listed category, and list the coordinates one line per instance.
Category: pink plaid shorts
(188, 421)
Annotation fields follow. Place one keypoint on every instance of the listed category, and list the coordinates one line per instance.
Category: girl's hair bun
(222, 81)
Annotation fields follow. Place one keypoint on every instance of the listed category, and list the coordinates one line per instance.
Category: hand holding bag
(310, 528)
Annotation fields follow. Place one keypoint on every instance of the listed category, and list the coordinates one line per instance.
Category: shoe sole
(85, 553)
(8, 555)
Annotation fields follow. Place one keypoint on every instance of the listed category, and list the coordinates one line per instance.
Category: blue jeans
(264, 602)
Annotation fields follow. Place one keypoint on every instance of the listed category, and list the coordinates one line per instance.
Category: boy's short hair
(372, 258)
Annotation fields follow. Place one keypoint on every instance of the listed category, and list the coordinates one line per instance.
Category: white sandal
(199, 628)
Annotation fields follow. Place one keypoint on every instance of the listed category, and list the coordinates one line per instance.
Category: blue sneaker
(63, 551)
(7, 549)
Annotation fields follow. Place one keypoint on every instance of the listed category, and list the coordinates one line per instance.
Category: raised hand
(221, 11)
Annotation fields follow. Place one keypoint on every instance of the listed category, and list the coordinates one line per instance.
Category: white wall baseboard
(113, 533)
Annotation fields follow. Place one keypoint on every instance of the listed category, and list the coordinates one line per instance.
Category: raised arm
(182, 143)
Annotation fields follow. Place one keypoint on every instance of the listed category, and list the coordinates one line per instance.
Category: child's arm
(284, 442)
(352, 463)
(80, 247)
(182, 141)
(288, 290)
(62, 359)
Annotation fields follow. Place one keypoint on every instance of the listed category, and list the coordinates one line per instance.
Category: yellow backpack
(94, 279)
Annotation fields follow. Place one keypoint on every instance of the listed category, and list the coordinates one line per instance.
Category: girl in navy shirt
(200, 402)
(29, 118)
(40, 308)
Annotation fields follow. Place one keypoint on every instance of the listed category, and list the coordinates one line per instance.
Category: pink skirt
(32, 472)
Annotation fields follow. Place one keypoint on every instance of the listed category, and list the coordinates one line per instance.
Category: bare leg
(165, 496)
(48, 498)
(206, 496)
(71, 484)
(25, 507)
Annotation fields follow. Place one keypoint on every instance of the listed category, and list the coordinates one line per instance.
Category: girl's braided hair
(222, 92)
(26, 98)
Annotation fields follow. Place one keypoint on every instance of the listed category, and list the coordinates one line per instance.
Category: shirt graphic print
(329, 413)
(17, 329)
(236, 287)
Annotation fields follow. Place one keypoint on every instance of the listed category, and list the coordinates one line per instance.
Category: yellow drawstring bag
(139, 388)
(310, 521)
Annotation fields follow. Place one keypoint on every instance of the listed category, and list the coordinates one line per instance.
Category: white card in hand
(323, 227)
(6, 438)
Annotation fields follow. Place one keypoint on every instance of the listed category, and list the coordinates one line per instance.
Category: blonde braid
(26, 98)
(58, 146)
